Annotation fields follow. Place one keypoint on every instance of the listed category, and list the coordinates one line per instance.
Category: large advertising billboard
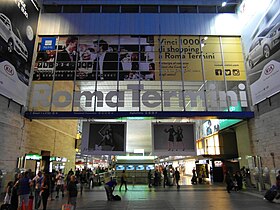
(173, 139)
(18, 26)
(105, 138)
(262, 43)
(169, 58)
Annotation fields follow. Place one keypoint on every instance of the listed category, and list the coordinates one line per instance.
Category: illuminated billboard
(103, 138)
(261, 45)
(173, 138)
(169, 58)
(18, 26)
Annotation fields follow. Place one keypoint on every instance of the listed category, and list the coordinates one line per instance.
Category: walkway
(201, 197)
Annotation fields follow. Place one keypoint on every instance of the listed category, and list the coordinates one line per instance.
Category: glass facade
(138, 73)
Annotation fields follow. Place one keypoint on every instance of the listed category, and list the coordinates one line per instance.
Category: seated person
(109, 187)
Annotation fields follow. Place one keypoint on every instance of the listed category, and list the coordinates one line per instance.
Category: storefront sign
(33, 157)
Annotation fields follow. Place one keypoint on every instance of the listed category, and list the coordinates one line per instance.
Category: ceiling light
(224, 4)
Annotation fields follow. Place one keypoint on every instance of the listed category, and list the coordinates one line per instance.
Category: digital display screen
(120, 168)
(140, 168)
(130, 167)
(148, 167)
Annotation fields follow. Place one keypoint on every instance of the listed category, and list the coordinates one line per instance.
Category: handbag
(67, 207)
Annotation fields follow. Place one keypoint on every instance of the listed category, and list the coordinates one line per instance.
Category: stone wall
(19, 136)
(265, 131)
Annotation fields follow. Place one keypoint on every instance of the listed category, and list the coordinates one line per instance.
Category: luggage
(5, 207)
(67, 207)
(270, 194)
(116, 198)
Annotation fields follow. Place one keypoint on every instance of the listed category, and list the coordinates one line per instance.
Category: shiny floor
(202, 197)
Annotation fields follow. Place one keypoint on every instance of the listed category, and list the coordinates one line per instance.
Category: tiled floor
(199, 197)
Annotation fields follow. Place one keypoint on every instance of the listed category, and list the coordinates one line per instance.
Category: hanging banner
(105, 138)
(192, 56)
(18, 25)
(173, 139)
(141, 58)
(261, 46)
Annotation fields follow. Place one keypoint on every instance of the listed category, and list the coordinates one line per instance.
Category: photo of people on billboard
(18, 26)
(103, 138)
(96, 58)
(173, 138)
(210, 127)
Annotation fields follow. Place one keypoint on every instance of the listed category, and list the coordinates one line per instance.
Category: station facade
(141, 67)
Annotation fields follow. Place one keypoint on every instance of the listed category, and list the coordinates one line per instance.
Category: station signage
(149, 98)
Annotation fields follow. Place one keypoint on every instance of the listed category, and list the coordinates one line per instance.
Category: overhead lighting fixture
(224, 4)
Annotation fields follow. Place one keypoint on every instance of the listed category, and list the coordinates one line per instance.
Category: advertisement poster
(103, 138)
(187, 51)
(96, 58)
(210, 127)
(18, 25)
(173, 139)
(140, 58)
(261, 43)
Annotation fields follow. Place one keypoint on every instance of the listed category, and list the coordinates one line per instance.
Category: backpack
(116, 198)
(270, 195)
(5, 207)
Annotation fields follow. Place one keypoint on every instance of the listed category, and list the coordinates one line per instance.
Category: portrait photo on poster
(104, 138)
(173, 138)
(210, 127)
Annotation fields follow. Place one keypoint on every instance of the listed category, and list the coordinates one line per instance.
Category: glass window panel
(168, 9)
(149, 9)
(62, 96)
(130, 89)
(227, 9)
(187, 9)
(130, 8)
(44, 103)
(207, 9)
(110, 9)
(91, 8)
(52, 8)
(71, 8)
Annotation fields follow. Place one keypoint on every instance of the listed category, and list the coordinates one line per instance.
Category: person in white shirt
(59, 183)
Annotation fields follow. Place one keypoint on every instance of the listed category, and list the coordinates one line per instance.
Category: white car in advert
(13, 41)
(263, 44)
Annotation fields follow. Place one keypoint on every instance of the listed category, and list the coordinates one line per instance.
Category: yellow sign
(186, 56)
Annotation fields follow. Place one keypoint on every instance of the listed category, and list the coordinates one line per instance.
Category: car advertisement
(261, 44)
(173, 139)
(103, 138)
(18, 26)
(140, 58)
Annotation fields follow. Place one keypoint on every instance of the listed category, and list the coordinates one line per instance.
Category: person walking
(165, 177)
(150, 176)
(24, 184)
(123, 180)
(228, 181)
(72, 191)
(7, 199)
(83, 180)
(194, 177)
(45, 190)
(177, 177)
(37, 181)
(60, 183)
